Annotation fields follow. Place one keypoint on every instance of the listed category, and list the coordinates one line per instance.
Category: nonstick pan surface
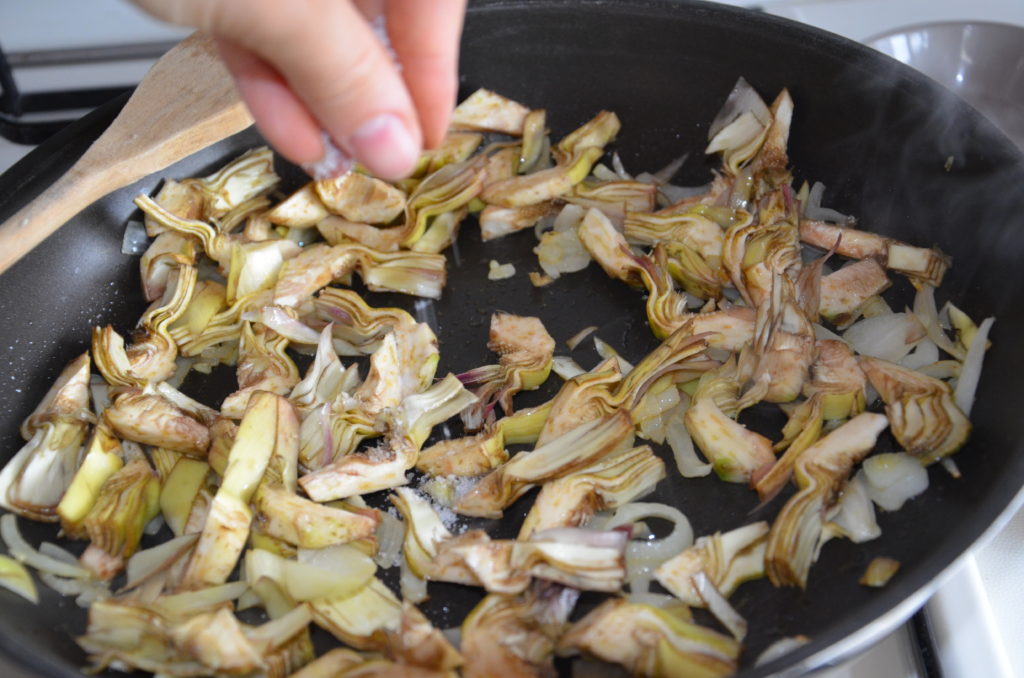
(893, 148)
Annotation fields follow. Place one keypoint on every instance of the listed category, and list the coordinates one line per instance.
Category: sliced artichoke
(736, 452)
(661, 643)
(727, 559)
(922, 412)
(820, 473)
(525, 350)
(361, 198)
(570, 501)
(268, 427)
(576, 449)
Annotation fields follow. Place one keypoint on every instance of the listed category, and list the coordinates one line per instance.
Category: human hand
(323, 89)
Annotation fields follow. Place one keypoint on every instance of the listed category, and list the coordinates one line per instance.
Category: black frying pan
(878, 135)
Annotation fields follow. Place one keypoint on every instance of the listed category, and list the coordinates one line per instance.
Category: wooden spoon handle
(186, 102)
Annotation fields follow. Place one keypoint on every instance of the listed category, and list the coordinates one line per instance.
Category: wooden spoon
(186, 102)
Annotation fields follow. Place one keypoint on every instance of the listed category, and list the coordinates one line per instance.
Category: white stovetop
(977, 605)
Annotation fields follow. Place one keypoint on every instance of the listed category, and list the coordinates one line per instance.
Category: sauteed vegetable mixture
(295, 492)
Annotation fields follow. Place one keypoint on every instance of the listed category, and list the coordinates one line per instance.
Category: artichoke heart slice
(263, 365)
(661, 643)
(820, 473)
(576, 449)
(487, 111)
(244, 178)
(477, 454)
(923, 265)
(570, 501)
(269, 425)
(736, 452)
(526, 351)
(361, 198)
(128, 500)
(922, 412)
(727, 560)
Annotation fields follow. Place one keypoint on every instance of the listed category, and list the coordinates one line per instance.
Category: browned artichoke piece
(501, 636)
(470, 456)
(168, 251)
(268, 434)
(498, 221)
(727, 560)
(128, 500)
(313, 268)
(845, 291)
(576, 449)
(572, 500)
(837, 377)
(820, 474)
(609, 248)
(922, 413)
(526, 351)
(583, 398)
(361, 198)
(455, 147)
(615, 198)
(661, 644)
(301, 209)
(486, 111)
(417, 643)
(67, 398)
(924, 265)
(802, 429)
(184, 199)
(339, 231)
(263, 365)
(152, 419)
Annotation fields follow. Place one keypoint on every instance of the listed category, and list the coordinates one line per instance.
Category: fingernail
(333, 163)
(385, 145)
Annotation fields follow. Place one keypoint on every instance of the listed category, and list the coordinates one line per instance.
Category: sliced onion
(574, 341)
(100, 394)
(148, 562)
(52, 550)
(925, 353)
(888, 337)
(893, 478)
(561, 252)
(21, 550)
(814, 210)
(678, 438)
(643, 556)
(15, 578)
(606, 351)
(924, 309)
(154, 526)
(741, 99)
(619, 168)
(62, 585)
(496, 271)
(822, 332)
(719, 606)
(970, 374)
(566, 367)
(856, 516)
(673, 194)
(390, 533)
(413, 588)
(781, 647)
(136, 240)
(604, 173)
(951, 468)
(665, 174)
